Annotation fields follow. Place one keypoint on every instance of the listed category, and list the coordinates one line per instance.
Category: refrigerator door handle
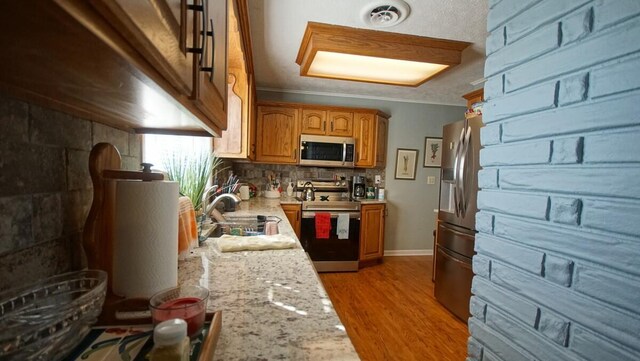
(456, 168)
(463, 161)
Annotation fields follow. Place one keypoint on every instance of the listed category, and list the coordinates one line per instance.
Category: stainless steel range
(338, 250)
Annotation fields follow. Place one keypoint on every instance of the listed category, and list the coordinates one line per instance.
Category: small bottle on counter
(290, 189)
(170, 341)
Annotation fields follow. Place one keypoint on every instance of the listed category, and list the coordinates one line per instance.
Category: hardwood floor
(390, 313)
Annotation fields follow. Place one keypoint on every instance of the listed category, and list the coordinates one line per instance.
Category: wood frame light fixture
(341, 52)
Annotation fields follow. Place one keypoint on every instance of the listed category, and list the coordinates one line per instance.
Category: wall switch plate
(431, 180)
(377, 179)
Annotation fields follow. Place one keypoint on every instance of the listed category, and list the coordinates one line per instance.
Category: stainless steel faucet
(205, 199)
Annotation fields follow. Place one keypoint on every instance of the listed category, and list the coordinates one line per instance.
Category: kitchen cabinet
(340, 124)
(210, 66)
(192, 59)
(293, 213)
(382, 131)
(372, 219)
(327, 122)
(277, 134)
(370, 132)
(122, 63)
(314, 122)
(238, 140)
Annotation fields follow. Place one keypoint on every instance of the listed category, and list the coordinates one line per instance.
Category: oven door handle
(352, 215)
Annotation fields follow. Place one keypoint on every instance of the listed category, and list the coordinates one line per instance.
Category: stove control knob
(337, 183)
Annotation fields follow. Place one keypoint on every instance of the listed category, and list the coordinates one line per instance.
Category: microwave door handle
(344, 153)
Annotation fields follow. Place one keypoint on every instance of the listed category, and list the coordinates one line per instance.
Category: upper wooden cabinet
(210, 62)
(382, 134)
(123, 63)
(238, 140)
(340, 124)
(327, 122)
(370, 132)
(277, 134)
(314, 121)
(160, 30)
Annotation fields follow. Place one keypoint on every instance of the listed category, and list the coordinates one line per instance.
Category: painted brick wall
(557, 270)
(45, 187)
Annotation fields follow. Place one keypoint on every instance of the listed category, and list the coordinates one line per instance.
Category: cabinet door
(160, 30)
(314, 121)
(277, 134)
(340, 124)
(292, 211)
(382, 128)
(365, 135)
(372, 232)
(210, 67)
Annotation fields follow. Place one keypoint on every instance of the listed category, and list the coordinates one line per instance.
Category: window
(157, 148)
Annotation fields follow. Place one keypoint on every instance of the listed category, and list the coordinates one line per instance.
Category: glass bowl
(186, 302)
(47, 319)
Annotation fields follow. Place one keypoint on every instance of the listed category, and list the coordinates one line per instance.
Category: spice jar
(170, 341)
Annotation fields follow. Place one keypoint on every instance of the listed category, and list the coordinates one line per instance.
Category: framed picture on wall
(432, 152)
(406, 162)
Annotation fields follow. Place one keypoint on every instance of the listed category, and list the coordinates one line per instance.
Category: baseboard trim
(409, 252)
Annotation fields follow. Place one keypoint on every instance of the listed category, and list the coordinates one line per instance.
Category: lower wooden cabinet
(293, 212)
(372, 217)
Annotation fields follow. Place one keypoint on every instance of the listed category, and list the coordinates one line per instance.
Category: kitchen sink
(244, 225)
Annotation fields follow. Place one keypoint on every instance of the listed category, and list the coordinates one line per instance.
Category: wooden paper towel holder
(98, 233)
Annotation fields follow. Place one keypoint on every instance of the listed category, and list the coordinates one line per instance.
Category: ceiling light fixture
(340, 52)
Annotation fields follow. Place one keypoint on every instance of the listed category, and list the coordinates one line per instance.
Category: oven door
(331, 254)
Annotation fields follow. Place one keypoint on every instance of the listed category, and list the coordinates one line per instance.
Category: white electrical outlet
(377, 179)
(431, 180)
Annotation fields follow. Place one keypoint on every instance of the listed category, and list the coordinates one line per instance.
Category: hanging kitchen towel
(187, 228)
(343, 226)
(323, 225)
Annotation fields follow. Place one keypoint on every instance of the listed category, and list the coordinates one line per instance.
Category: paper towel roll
(145, 249)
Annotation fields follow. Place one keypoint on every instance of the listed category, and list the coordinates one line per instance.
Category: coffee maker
(358, 187)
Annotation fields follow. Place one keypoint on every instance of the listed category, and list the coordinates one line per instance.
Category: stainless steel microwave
(327, 151)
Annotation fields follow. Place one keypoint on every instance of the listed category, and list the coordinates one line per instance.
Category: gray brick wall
(557, 270)
(45, 188)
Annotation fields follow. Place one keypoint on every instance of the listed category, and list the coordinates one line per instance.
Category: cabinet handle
(209, 69)
(324, 126)
(202, 49)
(295, 154)
(332, 125)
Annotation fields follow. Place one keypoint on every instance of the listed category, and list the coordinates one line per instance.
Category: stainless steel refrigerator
(455, 236)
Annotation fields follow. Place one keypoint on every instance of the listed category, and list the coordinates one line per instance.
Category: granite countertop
(273, 304)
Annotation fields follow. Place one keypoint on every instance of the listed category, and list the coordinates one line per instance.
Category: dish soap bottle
(290, 189)
(170, 341)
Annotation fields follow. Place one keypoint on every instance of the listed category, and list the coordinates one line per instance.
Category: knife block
(99, 229)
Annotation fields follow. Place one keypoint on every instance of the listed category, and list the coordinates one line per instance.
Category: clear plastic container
(170, 341)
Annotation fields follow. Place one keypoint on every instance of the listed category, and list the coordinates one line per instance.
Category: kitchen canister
(244, 192)
(145, 258)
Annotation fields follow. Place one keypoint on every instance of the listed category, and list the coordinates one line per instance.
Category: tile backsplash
(45, 188)
(257, 173)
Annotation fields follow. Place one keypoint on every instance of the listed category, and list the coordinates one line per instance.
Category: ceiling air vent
(383, 14)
